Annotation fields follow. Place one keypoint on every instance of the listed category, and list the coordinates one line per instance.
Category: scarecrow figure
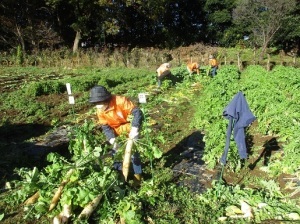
(239, 116)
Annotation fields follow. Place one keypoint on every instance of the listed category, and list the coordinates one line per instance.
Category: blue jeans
(214, 71)
(158, 82)
(136, 164)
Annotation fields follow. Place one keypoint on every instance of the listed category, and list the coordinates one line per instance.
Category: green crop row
(26, 100)
(272, 97)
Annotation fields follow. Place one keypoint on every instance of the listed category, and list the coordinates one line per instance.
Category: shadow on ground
(20, 147)
(186, 161)
(269, 147)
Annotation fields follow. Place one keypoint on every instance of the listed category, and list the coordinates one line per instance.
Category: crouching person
(113, 113)
(193, 67)
(162, 72)
(213, 65)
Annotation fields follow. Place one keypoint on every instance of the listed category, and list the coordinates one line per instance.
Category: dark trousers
(136, 164)
(214, 71)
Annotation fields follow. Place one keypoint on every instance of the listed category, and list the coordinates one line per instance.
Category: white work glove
(115, 145)
(134, 133)
(112, 141)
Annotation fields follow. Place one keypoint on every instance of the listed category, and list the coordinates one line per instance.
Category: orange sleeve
(101, 118)
(125, 105)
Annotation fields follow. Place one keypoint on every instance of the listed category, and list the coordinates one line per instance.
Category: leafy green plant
(208, 117)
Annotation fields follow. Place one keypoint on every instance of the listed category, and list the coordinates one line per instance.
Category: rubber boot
(121, 176)
(137, 179)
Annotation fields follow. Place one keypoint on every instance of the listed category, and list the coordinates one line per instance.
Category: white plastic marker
(142, 98)
(68, 85)
(71, 98)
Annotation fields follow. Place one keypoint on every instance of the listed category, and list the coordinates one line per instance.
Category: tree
(288, 38)
(80, 15)
(182, 22)
(218, 20)
(163, 23)
(263, 18)
(27, 24)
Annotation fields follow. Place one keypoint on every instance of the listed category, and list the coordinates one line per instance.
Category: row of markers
(142, 96)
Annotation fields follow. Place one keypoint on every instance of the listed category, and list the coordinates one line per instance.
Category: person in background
(113, 113)
(193, 67)
(213, 65)
(163, 71)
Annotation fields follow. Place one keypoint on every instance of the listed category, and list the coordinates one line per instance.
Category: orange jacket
(213, 62)
(117, 114)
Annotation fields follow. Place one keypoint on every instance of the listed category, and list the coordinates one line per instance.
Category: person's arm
(111, 137)
(136, 123)
(137, 117)
(108, 132)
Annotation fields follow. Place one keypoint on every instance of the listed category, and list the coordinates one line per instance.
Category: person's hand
(113, 142)
(115, 146)
(134, 133)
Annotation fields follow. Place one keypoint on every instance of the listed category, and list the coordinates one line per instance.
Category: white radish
(32, 199)
(90, 207)
(64, 215)
(126, 159)
(246, 209)
(57, 219)
(58, 192)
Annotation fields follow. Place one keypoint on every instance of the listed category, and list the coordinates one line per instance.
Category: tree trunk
(263, 48)
(20, 37)
(76, 41)
(262, 53)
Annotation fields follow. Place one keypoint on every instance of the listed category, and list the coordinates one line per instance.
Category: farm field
(43, 137)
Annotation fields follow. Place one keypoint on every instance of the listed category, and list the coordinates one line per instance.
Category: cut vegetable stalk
(90, 207)
(126, 160)
(58, 193)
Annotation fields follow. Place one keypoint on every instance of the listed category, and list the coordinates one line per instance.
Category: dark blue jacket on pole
(239, 116)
